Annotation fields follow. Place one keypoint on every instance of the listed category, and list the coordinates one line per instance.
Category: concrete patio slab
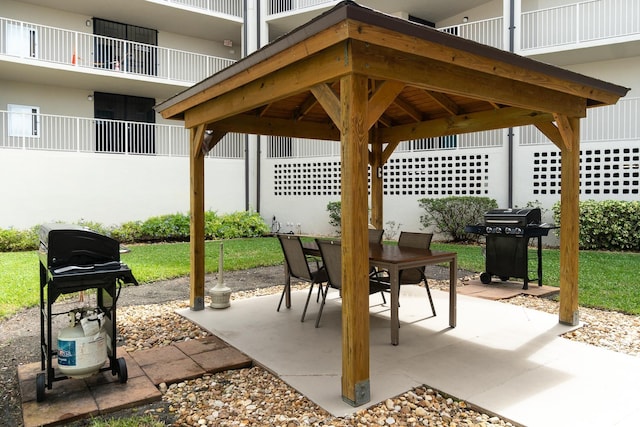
(504, 358)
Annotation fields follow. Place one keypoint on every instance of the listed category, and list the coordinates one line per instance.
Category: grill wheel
(485, 278)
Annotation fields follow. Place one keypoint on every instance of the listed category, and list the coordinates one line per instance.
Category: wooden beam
(383, 96)
(551, 131)
(476, 62)
(388, 150)
(329, 101)
(570, 222)
(445, 102)
(565, 129)
(383, 63)
(306, 48)
(196, 166)
(248, 123)
(197, 138)
(465, 123)
(327, 65)
(211, 139)
(355, 260)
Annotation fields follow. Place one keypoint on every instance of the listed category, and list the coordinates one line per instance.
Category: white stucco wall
(43, 186)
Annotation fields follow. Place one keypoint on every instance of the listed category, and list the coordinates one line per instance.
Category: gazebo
(369, 81)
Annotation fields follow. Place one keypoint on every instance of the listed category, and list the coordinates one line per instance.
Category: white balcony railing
(280, 6)
(488, 31)
(92, 52)
(227, 7)
(28, 131)
(617, 122)
(580, 23)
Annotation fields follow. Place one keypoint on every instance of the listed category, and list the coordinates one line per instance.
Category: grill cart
(507, 233)
(74, 259)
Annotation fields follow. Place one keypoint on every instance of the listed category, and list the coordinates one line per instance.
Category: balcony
(582, 32)
(574, 33)
(23, 43)
(488, 31)
(34, 131)
(214, 7)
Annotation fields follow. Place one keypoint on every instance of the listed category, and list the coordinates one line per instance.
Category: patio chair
(414, 276)
(299, 268)
(375, 235)
(331, 253)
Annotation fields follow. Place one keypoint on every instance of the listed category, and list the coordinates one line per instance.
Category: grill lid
(520, 217)
(72, 245)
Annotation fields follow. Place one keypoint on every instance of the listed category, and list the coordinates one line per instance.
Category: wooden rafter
(304, 108)
(445, 102)
(409, 109)
(263, 111)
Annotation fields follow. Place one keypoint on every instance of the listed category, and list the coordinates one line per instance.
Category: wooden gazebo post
(570, 213)
(377, 206)
(355, 296)
(565, 134)
(199, 146)
(196, 164)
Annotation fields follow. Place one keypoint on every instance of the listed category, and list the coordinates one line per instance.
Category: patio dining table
(394, 259)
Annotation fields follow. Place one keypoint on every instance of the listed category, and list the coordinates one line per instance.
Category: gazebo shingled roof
(370, 81)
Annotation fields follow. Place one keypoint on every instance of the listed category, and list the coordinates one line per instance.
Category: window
(24, 121)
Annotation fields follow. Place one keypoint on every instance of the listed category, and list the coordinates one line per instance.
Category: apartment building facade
(80, 138)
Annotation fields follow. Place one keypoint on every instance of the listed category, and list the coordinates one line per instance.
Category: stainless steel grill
(507, 233)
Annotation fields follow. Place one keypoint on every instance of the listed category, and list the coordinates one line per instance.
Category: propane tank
(82, 346)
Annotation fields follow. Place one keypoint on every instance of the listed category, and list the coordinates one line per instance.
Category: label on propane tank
(66, 353)
(82, 352)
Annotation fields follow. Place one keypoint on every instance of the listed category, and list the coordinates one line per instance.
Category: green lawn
(608, 280)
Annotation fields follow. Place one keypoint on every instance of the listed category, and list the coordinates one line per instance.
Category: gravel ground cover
(253, 396)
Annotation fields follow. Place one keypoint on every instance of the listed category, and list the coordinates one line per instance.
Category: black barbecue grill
(73, 259)
(507, 233)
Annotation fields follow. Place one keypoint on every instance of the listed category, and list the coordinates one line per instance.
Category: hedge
(610, 225)
(163, 228)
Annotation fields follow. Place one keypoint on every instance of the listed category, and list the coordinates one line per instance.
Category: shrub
(607, 225)
(128, 232)
(18, 240)
(172, 227)
(335, 214)
(451, 214)
(240, 224)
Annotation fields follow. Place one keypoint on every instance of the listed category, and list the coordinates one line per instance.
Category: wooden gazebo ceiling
(422, 83)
